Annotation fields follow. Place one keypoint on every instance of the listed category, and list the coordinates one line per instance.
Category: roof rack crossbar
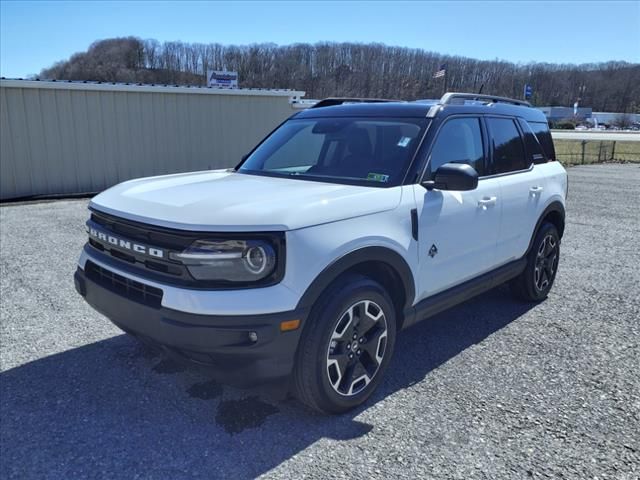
(330, 102)
(449, 98)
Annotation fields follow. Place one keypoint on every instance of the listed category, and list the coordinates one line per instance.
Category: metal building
(562, 113)
(75, 137)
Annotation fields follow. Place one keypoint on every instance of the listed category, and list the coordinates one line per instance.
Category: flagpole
(442, 72)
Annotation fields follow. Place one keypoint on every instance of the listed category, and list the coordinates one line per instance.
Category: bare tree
(353, 69)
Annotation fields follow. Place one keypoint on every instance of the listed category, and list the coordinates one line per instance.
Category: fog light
(253, 337)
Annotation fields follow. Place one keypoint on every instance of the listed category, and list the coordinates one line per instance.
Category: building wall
(611, 117)
(65, 138)
(561, 113)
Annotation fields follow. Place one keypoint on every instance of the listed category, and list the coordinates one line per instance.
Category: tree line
(353, 70)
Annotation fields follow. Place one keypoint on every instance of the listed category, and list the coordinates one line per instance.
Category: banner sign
(222, 78)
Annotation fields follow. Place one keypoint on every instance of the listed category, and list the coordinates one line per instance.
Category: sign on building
(222, 78)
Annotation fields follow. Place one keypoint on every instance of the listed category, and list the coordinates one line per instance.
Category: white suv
(350, 222)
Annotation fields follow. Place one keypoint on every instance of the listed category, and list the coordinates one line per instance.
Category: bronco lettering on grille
(124, 244)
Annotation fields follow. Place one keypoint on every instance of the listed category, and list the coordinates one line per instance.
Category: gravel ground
(491, 389)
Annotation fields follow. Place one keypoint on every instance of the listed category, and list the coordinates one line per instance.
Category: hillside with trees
(354, 70)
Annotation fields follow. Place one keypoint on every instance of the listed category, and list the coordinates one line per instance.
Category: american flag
(441, 72)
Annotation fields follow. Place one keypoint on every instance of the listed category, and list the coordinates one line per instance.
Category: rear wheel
(535, 282)
(346, 345)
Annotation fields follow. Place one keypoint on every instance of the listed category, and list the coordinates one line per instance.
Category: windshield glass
(367, 151)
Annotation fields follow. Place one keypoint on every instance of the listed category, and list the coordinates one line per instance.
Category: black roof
(422, 109)
(386, 109)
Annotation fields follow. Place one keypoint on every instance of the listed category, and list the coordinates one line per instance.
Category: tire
(337, 366)
(535, 282)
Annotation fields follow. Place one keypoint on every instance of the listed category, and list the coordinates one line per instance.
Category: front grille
(165, 270)
(148, 234)
(135, 291)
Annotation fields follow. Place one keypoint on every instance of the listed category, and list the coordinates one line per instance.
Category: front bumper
(222, 343)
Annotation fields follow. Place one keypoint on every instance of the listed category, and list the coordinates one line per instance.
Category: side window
(535, 154)
(508, 149)
(458, 141)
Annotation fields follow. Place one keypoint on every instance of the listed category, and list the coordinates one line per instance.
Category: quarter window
(535, 153)
(508, 149)
(459, 141)
(541, 130)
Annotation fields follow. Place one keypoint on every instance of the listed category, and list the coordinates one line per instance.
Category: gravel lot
(491, 389)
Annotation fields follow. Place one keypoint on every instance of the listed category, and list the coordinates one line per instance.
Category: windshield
(367, 151)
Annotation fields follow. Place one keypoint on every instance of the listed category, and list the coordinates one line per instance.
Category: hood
(227, 201)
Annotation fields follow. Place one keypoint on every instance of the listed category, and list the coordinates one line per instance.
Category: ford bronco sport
(351, 221)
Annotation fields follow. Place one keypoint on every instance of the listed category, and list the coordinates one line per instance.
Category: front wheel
(346, 345)
(535, 282)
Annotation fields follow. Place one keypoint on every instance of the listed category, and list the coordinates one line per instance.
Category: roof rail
(330, 102)
(449, 98)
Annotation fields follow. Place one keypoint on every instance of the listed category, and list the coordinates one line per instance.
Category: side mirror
(453, 176)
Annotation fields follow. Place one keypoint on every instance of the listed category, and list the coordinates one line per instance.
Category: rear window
(541, 130)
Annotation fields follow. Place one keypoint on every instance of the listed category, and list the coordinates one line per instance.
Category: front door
(458, 230)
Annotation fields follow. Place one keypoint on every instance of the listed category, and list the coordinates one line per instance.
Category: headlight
(228, 260)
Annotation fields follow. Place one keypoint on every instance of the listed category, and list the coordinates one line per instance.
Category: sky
(35, 34)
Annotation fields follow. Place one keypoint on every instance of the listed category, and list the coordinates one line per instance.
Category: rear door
(521, 184)
(457, 229)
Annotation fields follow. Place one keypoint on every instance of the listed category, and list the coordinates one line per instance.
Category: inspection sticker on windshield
(378, 177)
(404, 141)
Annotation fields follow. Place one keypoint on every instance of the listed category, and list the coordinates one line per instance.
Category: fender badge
(433, 250)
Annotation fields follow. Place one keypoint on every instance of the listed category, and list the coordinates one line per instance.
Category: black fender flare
(555, 206)
(366, 254)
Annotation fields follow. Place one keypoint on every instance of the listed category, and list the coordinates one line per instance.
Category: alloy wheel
(357, 347)
(546, 262)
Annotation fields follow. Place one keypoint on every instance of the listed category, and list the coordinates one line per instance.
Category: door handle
(535, 190)
(487, 202)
